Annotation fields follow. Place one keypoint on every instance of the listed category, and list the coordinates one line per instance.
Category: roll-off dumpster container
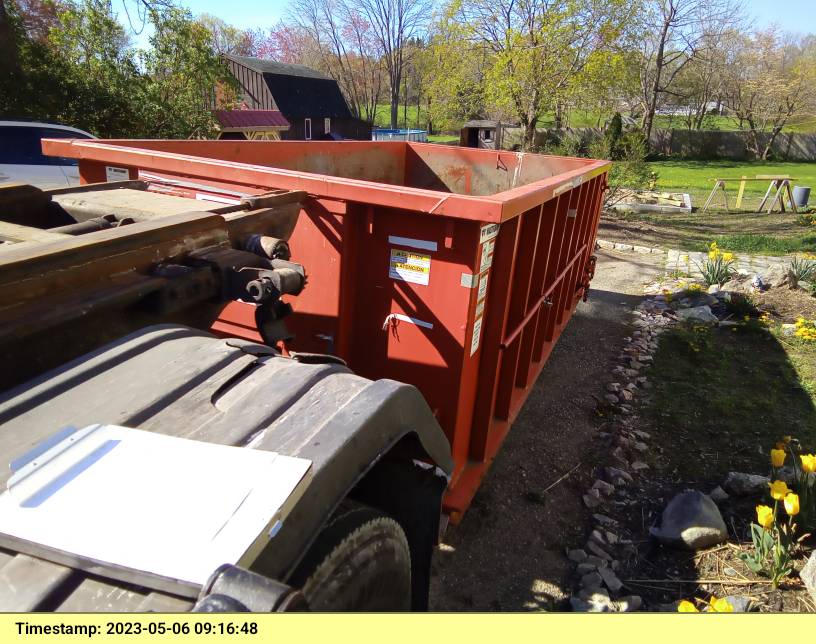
(448, 268)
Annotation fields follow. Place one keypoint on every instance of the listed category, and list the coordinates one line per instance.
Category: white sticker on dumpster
(487, 255)
(477, 333)
(482, 287)
(486, 233)
(409, 266)
(116, 174)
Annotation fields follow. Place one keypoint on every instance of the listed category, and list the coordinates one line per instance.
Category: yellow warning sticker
(409, 266)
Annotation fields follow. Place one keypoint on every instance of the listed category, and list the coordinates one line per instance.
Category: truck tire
(359, 562)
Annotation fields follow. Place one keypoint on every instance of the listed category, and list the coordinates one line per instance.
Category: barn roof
(299, 91)
(249, 119)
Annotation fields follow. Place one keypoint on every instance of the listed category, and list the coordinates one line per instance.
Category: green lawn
(695, 177)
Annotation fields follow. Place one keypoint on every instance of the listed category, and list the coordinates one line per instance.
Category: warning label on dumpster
(477, 333)
(410, 267)
(487, 255)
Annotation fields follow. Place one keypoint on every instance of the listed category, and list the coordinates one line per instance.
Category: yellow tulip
(728, 257)
(778, 490)
(777, 457)
(712, 254)
(686, 606)
(792, 504)
(808, 462)
(721, 605)
(765, 516)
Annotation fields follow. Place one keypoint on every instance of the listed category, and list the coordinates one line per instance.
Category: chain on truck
(372, 313)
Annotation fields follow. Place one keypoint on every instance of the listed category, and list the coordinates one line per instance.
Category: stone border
(686, 261)
(608, 245)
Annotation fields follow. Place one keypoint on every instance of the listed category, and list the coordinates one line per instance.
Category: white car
(22, 160)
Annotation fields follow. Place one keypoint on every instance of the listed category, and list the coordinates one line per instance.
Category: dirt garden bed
(710, 399)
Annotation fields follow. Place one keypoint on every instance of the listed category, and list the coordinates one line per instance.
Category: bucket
(801, 194)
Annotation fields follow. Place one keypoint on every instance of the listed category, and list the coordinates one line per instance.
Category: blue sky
(791, 15)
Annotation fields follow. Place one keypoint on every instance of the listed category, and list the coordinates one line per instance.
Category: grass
(722, 406)
(695, 177)
(756, 233)
(744, 231)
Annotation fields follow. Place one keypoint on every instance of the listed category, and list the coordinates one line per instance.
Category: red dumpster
(452, 269)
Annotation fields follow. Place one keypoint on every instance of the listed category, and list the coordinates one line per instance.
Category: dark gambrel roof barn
(310, 102)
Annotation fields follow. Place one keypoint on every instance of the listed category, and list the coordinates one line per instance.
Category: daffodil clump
(774, 533)
(803, 267)
(714, 605)
(805, 329)
(717, 269)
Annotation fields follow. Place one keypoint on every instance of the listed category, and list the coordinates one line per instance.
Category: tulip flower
(686, 606)
(778, 490)
(792, 504)
(777, 457)
(721, 605)
(808, 462)
(765, 516)
(728, 257)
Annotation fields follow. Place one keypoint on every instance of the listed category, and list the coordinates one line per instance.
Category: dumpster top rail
(465, 183)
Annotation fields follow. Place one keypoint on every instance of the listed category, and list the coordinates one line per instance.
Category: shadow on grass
(723, 398)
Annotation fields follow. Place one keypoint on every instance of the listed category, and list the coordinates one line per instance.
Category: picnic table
(778, 187)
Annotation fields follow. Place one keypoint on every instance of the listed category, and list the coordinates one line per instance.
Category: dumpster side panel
(412, 306)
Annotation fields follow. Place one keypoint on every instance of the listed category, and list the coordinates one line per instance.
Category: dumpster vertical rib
(540, 348)
(496, 320)
(570, 283)
(519, 290)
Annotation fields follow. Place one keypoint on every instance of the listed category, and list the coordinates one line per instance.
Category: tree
(769, 81)
(345, 45)
(674, 33)
(227, 39)
(181, 72)
(535, 50)
(393, 23)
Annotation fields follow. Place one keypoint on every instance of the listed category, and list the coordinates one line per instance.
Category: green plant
(772, 537)
(717, 269)
(806, 219)
(803, 268)
(741, 305)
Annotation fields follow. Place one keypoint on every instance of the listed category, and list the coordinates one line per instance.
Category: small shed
(486, 135)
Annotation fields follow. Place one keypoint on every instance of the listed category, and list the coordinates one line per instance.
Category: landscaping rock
(578, 555)
(610, 579)
(592, 499)
(628, 604)
(614, 473)
(581, 606)
(613, 387)
(591, 580)
(605, 520)
(740, 604)
(612, 399)
(741, 484)
(603, 487)
(718, 495)
(808, 575)
(596, 550)
(639, 465)
(584, 568)
(714, 289)
(697, 314)
(691, 519)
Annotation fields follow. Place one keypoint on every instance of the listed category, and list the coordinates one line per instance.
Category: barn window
(307, 129)
(327, 125)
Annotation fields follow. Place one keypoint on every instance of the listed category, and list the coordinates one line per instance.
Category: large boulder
(808, 575)
(697, 314)
(691, 520)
